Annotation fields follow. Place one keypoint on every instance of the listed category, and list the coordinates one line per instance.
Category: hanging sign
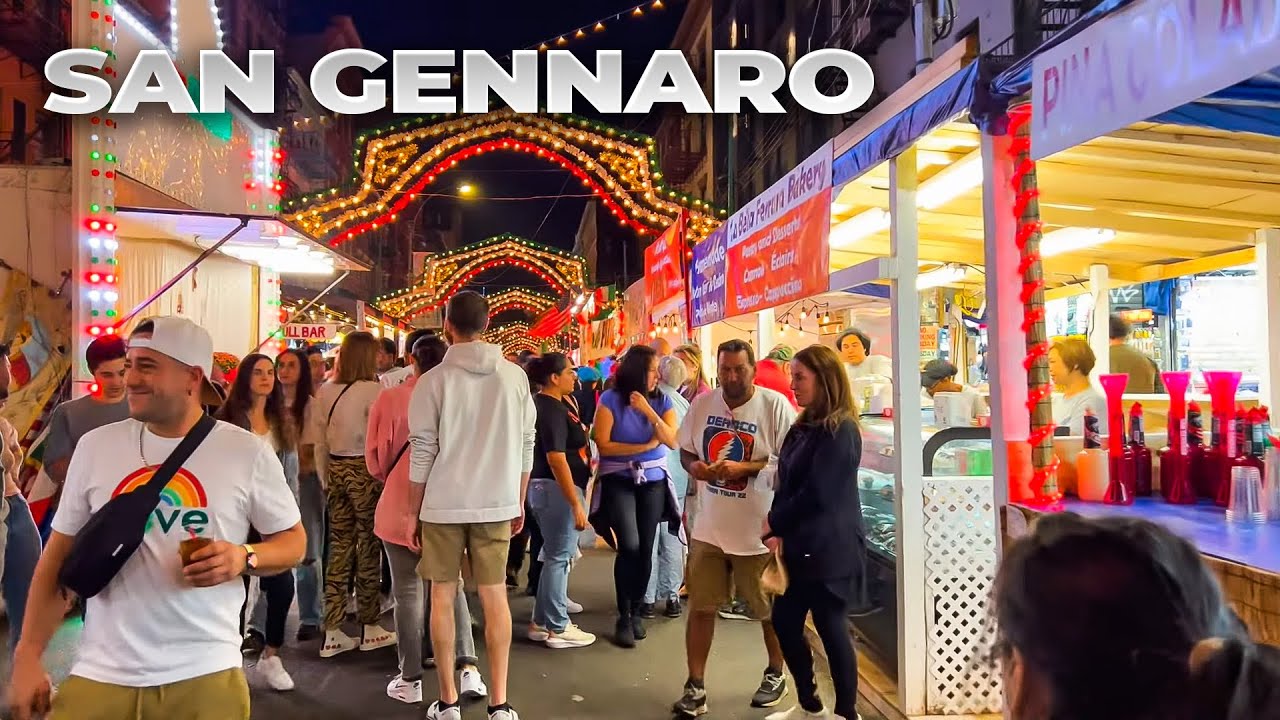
(663, 268)
(1146, 59)
(777, 243)
(311, 332)
(707, 278)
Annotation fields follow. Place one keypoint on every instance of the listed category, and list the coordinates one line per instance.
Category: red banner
(664, 266)
(784, 261)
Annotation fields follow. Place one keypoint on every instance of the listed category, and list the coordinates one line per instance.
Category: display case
(947, 452)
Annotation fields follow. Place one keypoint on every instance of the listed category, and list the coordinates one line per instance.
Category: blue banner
(707, 278)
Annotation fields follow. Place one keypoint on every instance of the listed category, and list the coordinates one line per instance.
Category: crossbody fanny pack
(116, 531)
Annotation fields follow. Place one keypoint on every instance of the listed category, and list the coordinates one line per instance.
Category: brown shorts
(485, 544)
(218, 696)
(714, 577)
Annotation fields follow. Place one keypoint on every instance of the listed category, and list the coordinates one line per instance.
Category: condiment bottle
(1092, 476)
(1141, 453)
(1175, 464)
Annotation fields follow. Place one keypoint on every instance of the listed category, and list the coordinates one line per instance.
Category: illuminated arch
(447, 273)
(396, 163)
(532, 302)
(513, 337)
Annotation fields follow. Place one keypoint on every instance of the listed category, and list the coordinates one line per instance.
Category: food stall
(1176, 168)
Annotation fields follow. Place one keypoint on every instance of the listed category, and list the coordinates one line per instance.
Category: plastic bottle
(1175, 463)
(1092, 475)
(1120, 455)
(1141, 453)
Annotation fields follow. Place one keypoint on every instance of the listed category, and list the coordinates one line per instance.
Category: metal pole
(244, 222)
(304, 308)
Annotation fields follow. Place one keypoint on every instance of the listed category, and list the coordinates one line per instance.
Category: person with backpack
(140, 494)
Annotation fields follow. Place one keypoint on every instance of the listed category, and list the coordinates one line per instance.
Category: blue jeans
(559, 541)
(668, 564)
(21, 554)
(310, 573)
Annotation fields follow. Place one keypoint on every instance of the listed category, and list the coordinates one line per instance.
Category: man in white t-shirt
(162, 640)
(399, 376)
(725, 441)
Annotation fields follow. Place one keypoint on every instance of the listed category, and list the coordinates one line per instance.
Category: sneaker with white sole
(337, 642)
(470, 685)
(504, 714)
(272, 671)
(408, 692)
(773, 687)
(537, 633)
(439, 712)
(799, 713)
(573, 607)
(376, 637)
(572, 637)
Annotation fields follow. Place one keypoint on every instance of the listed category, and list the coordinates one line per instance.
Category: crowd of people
(349, 488)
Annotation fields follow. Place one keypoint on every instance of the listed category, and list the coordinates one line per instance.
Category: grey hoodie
(471, 430)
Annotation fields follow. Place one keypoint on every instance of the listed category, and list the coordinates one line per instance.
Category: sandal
(376, 637)
(337, 642)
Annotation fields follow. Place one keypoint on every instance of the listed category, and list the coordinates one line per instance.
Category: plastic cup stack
(1245, 505)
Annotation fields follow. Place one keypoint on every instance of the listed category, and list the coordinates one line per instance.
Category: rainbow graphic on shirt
(182, 502)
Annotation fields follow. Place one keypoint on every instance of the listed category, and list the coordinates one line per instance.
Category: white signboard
(311, 332)
(1146, 59)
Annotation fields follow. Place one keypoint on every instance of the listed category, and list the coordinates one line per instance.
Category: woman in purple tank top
(635, 426)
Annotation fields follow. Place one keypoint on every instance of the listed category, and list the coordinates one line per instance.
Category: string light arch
(519, 299)
(449, 272)
(393, 165)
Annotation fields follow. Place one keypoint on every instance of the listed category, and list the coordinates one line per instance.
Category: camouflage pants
(352, 498)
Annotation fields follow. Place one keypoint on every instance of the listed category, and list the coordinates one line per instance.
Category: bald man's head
(661, 346)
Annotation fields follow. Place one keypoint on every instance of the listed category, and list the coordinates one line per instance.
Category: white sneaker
(337, 642)
(273, 672)
(435, 713)
(573, 607)
(376, 637)
(471, 686)
(537, 633)
(406, 691)
(798, 713)
(504, 715)
(572, 637)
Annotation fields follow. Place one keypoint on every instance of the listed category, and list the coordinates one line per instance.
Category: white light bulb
(111, 296)
(95, 296)
(95, 243)
(113, 244)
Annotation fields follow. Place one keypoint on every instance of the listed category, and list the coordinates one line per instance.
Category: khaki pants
(219, 696)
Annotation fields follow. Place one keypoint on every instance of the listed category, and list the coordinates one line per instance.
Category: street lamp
(466, 189)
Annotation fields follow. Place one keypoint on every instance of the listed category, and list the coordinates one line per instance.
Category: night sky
(500, 26)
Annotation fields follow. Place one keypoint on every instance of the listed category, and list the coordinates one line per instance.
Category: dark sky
(500, 26)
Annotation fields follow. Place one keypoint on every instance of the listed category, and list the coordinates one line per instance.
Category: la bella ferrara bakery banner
(772, 251)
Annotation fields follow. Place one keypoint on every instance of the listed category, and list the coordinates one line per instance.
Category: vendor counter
(1245, 557)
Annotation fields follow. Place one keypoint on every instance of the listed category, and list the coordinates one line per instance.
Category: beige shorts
(714, 577)
(485, 544)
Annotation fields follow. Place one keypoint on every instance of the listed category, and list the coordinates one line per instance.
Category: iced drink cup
(188, 547)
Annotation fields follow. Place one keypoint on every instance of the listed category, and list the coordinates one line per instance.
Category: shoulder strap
(334, 406)
(180, 454)
(396, 461)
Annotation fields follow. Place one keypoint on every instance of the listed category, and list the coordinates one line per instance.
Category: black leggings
(829, 612)
(530, 538)
(633, 511)
(279, 597)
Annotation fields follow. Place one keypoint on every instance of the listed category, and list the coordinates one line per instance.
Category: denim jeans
(310, 572)
(413, 616)
(559, 543)
(669, 556)
(21, 553)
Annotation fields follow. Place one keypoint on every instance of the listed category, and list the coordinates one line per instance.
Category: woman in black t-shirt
(556, 486)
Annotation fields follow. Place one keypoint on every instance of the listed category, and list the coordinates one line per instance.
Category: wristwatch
(250, 558)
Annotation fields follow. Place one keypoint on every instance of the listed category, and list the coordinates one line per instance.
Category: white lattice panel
(960, 567)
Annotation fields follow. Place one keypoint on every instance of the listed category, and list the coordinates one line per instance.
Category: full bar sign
(1146, 59)
(311, 332)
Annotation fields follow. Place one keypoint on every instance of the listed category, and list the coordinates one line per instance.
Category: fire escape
(31, 31)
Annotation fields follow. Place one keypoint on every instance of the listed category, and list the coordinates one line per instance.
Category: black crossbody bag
(115, 532)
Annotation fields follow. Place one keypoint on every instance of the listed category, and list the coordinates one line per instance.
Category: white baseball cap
(182, 340)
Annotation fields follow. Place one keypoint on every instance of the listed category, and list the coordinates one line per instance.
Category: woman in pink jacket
(387, 455)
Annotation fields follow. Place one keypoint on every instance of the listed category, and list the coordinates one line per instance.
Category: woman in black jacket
(817, 518)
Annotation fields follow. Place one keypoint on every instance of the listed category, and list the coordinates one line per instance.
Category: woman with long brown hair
(816, 526)
(339, 426)
(256, 403)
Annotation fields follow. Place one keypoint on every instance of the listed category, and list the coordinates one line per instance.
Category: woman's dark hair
(541, 369)
(1106, 613)
(236, 408)
(633, 372)
(428, 352)
(302, 391)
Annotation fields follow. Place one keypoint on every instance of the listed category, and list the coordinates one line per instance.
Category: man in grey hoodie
(471, 430)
